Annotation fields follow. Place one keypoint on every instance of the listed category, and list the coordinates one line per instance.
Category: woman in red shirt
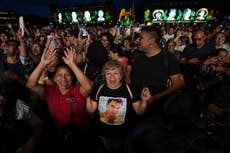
(65, 100)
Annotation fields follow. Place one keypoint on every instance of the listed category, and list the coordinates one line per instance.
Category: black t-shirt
(114, 128)
(3, 63)
(191, 51)
(153, 72)
(18, 68)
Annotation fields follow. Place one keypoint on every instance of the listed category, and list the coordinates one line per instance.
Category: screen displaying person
(74, 16)
(158, 14)
(59, 17)
(186, 14)
(100, 16)
(201, 14)
(172, 14)
(111, 115)
(87, 16)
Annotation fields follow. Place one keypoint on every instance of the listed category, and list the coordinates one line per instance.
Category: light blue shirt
(227, 47)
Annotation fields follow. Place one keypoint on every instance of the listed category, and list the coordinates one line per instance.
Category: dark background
(42, 7)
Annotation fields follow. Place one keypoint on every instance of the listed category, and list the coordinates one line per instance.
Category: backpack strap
(85, 68)
(72, 100)
(98, 91)
(129, 90)
(127, 86)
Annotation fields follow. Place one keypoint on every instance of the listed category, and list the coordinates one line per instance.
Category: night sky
(41, 7)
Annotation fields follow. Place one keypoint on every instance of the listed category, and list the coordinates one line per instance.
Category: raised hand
(69, 55)
(9, 25)
(145, 94)
(48, 56)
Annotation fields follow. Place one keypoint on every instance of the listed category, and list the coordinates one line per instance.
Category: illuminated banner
(83, 16)
(175, 15)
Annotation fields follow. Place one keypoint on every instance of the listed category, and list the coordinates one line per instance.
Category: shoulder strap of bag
(85, 68)
(72, 100)
(98, 91)
(129, 90)
(127, 86)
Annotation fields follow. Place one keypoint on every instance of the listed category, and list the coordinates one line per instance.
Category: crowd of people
(162, 88)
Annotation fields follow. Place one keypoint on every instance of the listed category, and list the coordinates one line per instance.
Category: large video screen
(175, 15)
(86, 16)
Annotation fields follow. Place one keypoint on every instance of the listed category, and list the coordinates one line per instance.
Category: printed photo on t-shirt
(112, 110)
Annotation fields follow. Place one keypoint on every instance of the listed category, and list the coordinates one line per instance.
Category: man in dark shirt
(193, 55)
(153, 68)
(158, 70)
(10, 64)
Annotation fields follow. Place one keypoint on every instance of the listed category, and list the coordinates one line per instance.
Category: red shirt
(60, 106)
